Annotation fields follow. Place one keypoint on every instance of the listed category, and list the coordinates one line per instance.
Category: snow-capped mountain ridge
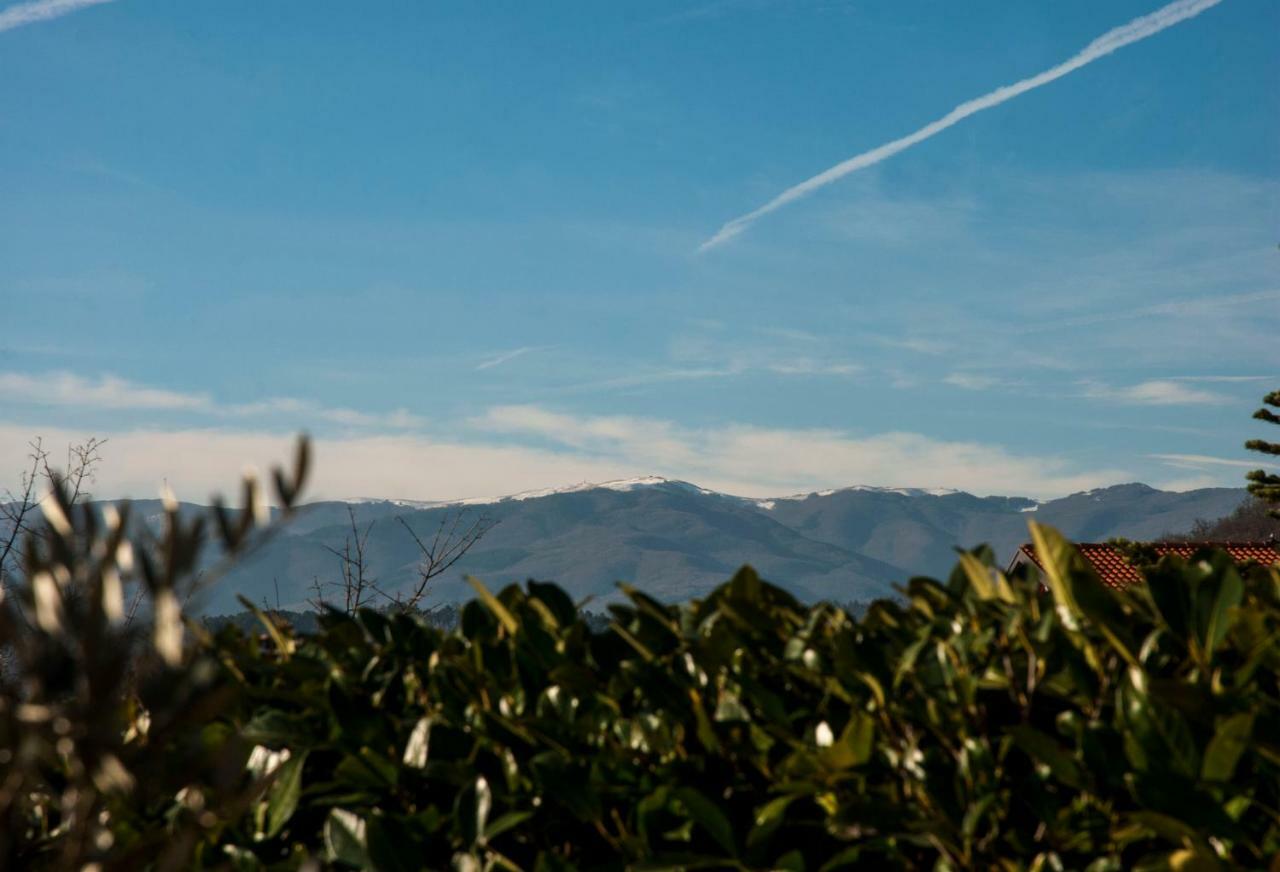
(629, 484)
(621, 484)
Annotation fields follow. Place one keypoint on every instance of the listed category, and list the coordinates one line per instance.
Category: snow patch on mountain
(770, 503)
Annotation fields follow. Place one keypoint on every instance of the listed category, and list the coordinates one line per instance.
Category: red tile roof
(1111, 565)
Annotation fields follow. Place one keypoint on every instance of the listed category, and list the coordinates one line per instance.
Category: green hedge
(979, 723)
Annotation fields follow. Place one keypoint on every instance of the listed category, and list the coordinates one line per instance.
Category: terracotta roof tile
(1111, 565)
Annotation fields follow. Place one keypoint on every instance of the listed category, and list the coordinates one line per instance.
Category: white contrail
(41, 10)
(1139, 28)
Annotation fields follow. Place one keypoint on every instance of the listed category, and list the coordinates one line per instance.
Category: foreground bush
(980, 723)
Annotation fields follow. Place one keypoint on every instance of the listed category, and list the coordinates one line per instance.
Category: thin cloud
(652, 377)
(397, 419)
(789, 333)
(810, 366)
(970, 381)
(506, 356)
(1157, 392)
(41, 10)
(1173, 309)
(1229, 379)
(916, 344)
(786, 352)
(112, 393)
(1195, 461)
(107, 392)
(784, 366)
(1112, 40)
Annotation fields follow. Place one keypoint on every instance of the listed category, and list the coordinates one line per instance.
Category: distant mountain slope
(1137, 511)
(672, 539)
(919, 530)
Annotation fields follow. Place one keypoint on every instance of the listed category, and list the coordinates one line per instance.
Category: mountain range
(676, 540)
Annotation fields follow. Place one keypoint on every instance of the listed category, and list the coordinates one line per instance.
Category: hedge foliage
(1039, 721)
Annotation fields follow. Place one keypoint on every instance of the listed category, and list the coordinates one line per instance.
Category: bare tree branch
(18, 511)
(356, 584)
(317, 602)
(454, 537)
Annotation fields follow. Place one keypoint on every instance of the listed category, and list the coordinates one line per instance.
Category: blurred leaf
(853, 748)
(415, 750)
(708, 815)
(282, 645)
(1225, 749)
(508, 821)
(344, 839)
(1044, 749)
(1223, 592)
(987, 582)
(500, 612)
(282, 798)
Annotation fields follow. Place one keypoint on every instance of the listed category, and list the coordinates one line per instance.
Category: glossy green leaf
(282, 798)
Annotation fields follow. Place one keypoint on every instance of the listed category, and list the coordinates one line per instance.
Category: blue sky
(459, 243)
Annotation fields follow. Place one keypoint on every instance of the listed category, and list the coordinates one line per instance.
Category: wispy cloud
(1198, 461)
(786, 351)
(41, 10)
(790, 334)
(812, 366)
(707, 353)
(1157, 392)
(654, 376)
(1197, 306)
(917, 344)
(971, 381)
(1229, 379)
(305, 409)
(112, 393)
(1112, 40)
(106, 392)
(506, 356)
